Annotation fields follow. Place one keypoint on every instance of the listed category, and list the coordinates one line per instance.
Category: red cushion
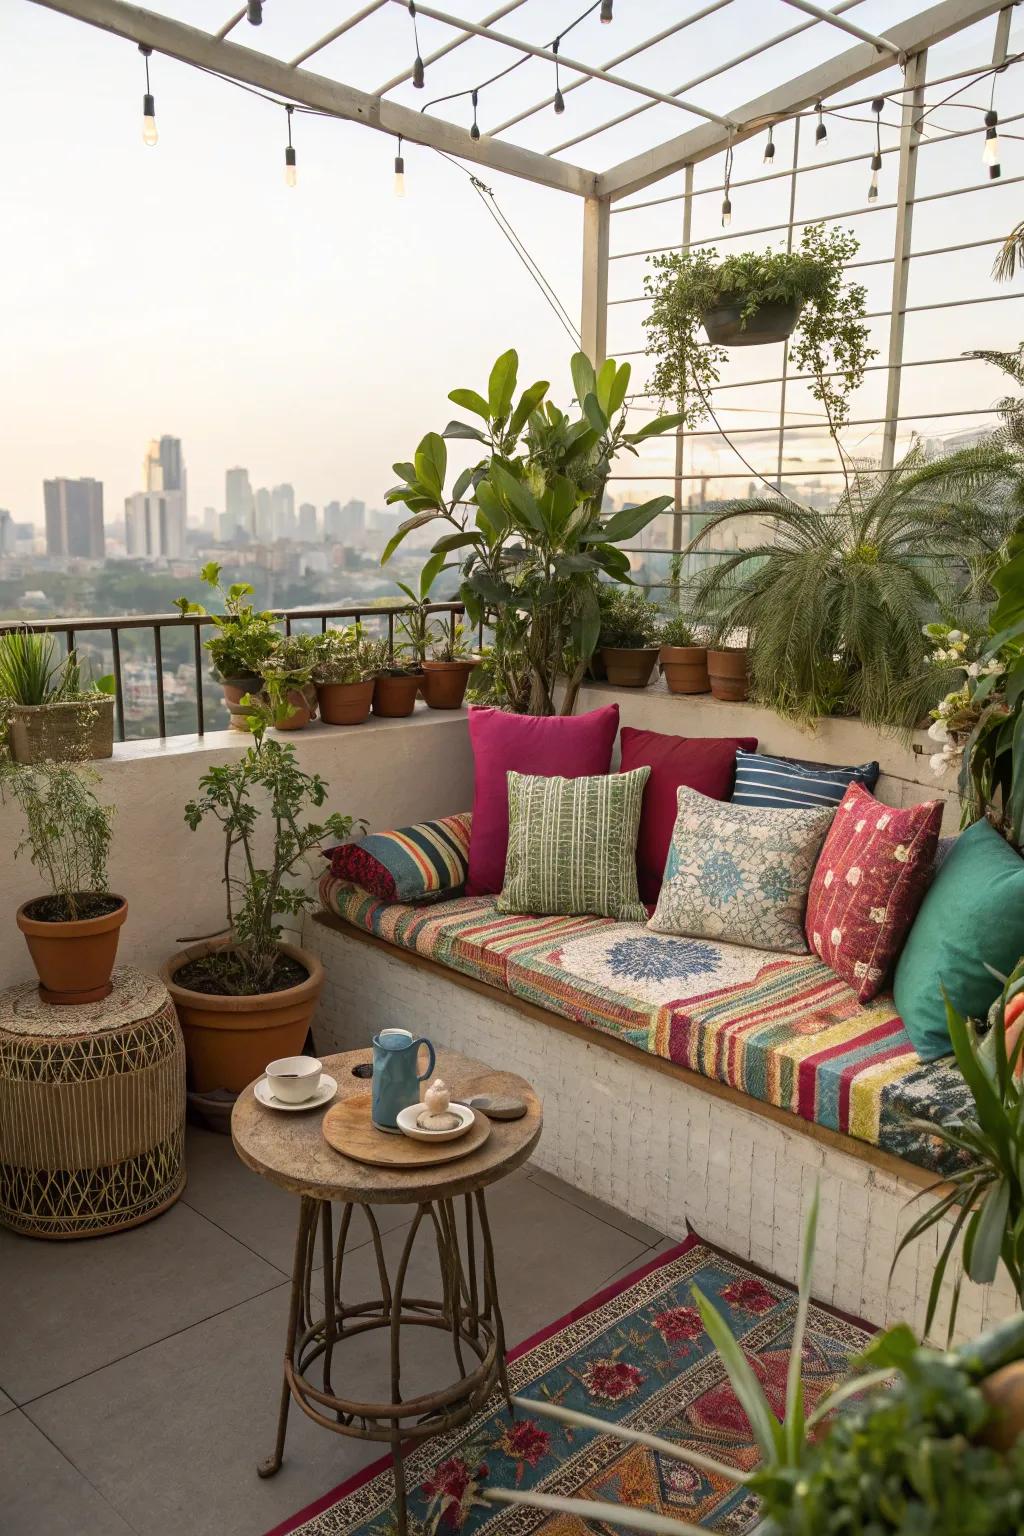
(867, 886)
(572, 746)
(704, 763)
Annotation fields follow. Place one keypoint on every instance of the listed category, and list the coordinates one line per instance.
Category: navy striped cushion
(789, 781)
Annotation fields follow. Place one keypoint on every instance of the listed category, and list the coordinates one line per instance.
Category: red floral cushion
(868, 884)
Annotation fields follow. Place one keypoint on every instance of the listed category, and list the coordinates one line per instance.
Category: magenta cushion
(704, 763)
(573, 746)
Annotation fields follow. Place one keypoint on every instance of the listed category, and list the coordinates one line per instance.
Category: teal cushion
(973, 915)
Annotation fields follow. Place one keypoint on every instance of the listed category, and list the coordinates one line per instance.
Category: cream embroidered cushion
(572, 845)
(740, 873)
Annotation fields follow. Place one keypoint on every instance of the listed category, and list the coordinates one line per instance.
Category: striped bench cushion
(792, 782)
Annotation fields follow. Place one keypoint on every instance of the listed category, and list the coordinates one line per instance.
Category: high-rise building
(238, 502)
(172, 464)
(210, 521)
(344, 523)
(154, 525)
(7, 535)
(282, 499)
(264, 517)
(152, 469)
(307, 523)
(74, 517)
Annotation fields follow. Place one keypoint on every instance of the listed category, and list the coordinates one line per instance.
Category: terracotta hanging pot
(235, 689)
(229, 1040)
(345, 703)
(394, 694)
(770, 322)
(727, 671)
(444, 683)
(629, 666)
(72, 959)
(685, 668)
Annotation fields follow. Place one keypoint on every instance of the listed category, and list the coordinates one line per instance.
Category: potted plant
(397, 682)
(628, 640)
(288, 690)
(49, 711)
(344, 677)
(244, 639)
(246, 996)
(447, 668)
(683, 663)
(71, 932)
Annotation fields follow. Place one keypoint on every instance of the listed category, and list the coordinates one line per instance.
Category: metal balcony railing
(380, 620)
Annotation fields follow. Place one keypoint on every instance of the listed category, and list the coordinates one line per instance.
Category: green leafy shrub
(677, 630)
(628, 618)
(244, 638)
(67, 832)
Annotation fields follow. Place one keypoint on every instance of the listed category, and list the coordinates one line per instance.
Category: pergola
(853, 54)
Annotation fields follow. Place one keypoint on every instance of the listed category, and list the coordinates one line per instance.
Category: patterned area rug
(635, 1354)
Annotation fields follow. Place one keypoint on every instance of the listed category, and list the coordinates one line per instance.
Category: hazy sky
(311, 335)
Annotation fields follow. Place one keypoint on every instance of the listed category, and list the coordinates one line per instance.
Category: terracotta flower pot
(299, 714)
(73, 960)
(235, 689)
(444, 683)
(229, 1040)
(345, 703)
(685, 668)
(1004, 1392)
(629, 666)
(727, 671)
(394, 694)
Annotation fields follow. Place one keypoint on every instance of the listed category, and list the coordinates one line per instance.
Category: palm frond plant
(1010, 255)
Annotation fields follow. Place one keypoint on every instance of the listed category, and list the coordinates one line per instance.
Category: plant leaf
(470, 401)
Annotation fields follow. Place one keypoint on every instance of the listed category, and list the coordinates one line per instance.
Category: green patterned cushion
(740, 873)
(572, 845)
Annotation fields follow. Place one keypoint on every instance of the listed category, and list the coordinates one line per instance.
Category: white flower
(955, 635)
(836, 936)
(993, 669)
(942, 655)
(945, 706)
(877, 915)
(938, 730)
(974, 670)
(853, 876)
(938, 762)
(901, 853)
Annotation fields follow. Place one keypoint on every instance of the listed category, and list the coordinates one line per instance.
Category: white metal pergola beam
(336, 32)
(883, 44)
(332, 97)
(912, 36)
(449, 47)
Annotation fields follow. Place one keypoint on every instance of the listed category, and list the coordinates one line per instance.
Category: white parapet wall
(663, 1151)
(389, 772)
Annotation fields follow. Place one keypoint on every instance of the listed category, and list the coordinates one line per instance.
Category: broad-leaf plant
(524, 524)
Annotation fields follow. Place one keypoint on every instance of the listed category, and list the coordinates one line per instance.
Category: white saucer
(324, 1094)
(407, 1123)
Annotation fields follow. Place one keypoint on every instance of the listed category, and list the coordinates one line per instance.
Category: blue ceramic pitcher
(396, 1075)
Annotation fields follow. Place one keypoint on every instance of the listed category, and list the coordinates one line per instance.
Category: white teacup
(294, 1079)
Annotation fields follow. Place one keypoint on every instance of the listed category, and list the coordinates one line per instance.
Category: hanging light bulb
(726, 213)
(727, 200)
(254, 12)
(291, 174)
(559, 98)
(149, 133)
(876, 166)
(474, 132)
(399, 172)
(417, 74)
(606, 11)
(821, 132)
(559, 102)
(992, 153)
(417, 68)
(769, 149)
(876, 158)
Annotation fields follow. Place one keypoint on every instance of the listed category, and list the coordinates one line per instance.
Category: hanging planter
(771, 322)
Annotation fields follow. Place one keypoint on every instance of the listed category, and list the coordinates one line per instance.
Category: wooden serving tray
(347, 1128)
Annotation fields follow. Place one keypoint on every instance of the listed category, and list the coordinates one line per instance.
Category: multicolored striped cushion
(420, 863)
(792, 782)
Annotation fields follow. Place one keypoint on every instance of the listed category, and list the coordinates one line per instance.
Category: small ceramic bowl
(293, 1079)
(407, 1123)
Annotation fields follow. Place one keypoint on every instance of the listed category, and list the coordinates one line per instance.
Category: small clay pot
(394, 694)
(344, 703)
(727, 671)
(685, 668)
(299, 713)
(629, 666)
(444, 683)
(235, 689)
(73, 960)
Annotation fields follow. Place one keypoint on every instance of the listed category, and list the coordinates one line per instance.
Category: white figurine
(436, 1116)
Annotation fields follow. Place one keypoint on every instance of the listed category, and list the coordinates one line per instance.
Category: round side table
(92, 1109)
(290, 1150)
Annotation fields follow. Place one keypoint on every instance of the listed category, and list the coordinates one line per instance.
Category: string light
(727, 201)
(474, 132)
(769, 149)
(876, 158)
(399, 171)
(606, 11)
(291, 174)
(821, 132)
(149, 133)
(992, 152)
(559, 98)
(417, 68)
(254, 12)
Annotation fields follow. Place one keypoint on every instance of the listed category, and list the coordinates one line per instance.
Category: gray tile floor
(139, 1374)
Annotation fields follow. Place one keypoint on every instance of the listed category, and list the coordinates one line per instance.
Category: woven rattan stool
(92, 1109)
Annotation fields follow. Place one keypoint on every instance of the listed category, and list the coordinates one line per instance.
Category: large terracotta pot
(235, 689)
(394, 694)
(629, 666)
(444, 683)
(229, 1040)
(727, 671)
(1004, 1392)
(73, 960)
(685, 668)
(345, 703)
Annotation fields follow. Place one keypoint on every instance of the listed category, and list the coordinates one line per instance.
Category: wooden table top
(290, 1150)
